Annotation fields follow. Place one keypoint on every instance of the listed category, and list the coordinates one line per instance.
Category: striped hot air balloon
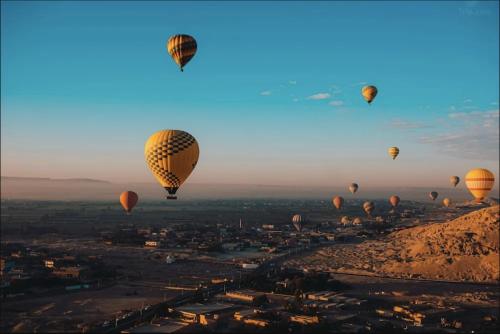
(393, 152)
(338, 201)
(297, 222)
(128, 200)
(182, 48)
(479, 181)
(369, 93)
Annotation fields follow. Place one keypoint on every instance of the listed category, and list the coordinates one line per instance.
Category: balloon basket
(171, 197)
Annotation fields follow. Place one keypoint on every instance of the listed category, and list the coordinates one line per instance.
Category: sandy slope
(466, 248)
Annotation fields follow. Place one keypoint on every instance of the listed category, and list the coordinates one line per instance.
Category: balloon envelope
(171, 155)
(369, 93)
(433, 195)
(353, 187)
(446, 202)
(128, 200)
(479, 182)
(297, 222)
(454, 180)
(394, 200)
(393, 152)
(182, 49)
(338, 201)
(368, 207)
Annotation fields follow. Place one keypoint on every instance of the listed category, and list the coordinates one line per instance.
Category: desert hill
(464, 249)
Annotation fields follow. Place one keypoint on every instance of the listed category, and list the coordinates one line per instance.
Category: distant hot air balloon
(345, 220)
(182, 48)
(338, 201)
(171, 155)
(479, 181)
(446, 202)
(394, 200)
(393, 152)
(454, 180)
(128, 200)
(357, 221)
(368, 207)
(353, 187)
(369, 93)
(297, 222)
(433, 195)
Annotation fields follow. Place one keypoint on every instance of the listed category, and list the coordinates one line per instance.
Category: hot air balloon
(345, 220)
(393, 152)
(128, 200)
(182, 48)
(353, 187)
(338, 201)
(394, 200)
(357, 221)
(433, 195)
(446, 202)
(369, 93)
(368, 207)
(479, 181)
(454, 180)
(171, 156)
(297, 222)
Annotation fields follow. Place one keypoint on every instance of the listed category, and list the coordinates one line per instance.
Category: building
(204, 313)
(304, 319)
(70, 272)
(249, 265)
(247, 296)
(152, 243)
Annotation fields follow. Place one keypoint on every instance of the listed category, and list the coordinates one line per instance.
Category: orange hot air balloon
(128, 200)
(394, 200)
(338, 201)
(446, 202)
(369, 93)
(479, 181)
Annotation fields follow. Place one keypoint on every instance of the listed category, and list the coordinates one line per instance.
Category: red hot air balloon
(338, 201)
(128, 200)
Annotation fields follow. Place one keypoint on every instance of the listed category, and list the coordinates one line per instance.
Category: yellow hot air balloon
(446, 202)
(454, 180)
(479, 181)
(171, 155)
(393, 152)
(182, 48)
(369, 93)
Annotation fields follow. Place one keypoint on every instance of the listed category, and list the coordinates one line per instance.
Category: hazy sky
(272, 95)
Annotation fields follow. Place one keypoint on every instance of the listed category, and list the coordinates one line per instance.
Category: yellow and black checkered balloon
(171, 155)
(182, 48)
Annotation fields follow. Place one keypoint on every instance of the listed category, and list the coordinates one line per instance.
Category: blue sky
(272, 95)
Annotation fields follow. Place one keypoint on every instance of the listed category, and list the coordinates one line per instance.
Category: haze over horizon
(85, 84)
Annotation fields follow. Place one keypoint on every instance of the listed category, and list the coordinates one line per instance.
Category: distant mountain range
(91, 189)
